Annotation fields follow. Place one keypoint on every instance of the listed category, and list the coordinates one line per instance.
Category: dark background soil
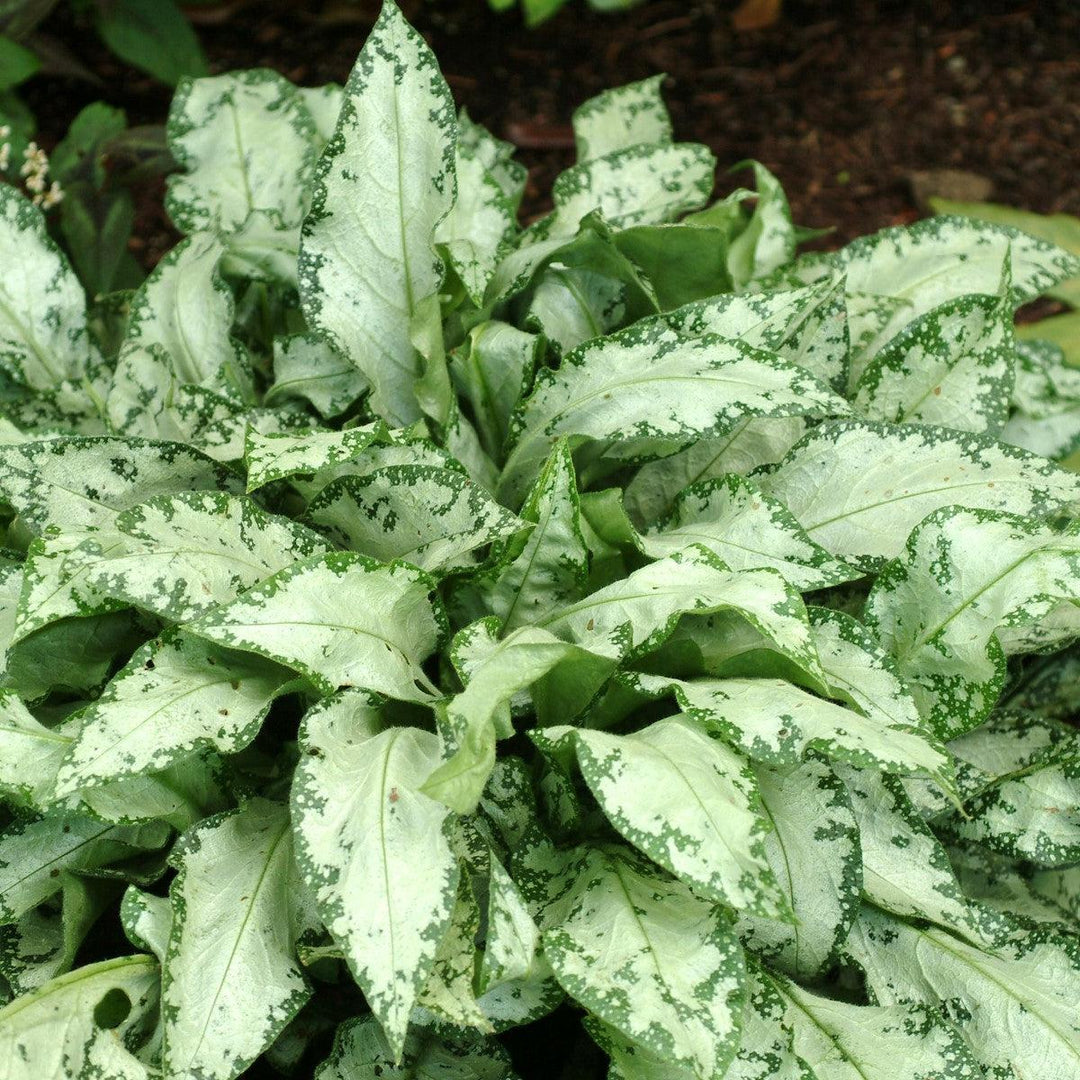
(843, 99)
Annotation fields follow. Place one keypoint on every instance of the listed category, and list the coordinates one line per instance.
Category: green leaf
(281, 455)
(372, 848)
(230, 980)
(362, 1052)
(383, 184)
(769, 238)
(746, 528)
(176, 695)
(55, 1030)
(626, 116)
(43, 337)
(306, 368)
(688, 802)
(859, 488)
(813, 852)
(30, 753)
(432, 517)
(649, 958)
(245, 142)
(342, 620)
(17, 63)
(952, 366)
(1046, 402)
(153, 35)
(633, 388)
(964, 576)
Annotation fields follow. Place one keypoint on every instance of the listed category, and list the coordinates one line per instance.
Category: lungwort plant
(418, 626)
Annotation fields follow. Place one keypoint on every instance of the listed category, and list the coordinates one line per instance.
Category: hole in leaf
(113, 1009)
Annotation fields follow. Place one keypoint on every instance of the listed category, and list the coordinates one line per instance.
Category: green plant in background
(537, 11)
(414, 622)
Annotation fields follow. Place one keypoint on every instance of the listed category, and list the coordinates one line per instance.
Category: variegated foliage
(411, 621)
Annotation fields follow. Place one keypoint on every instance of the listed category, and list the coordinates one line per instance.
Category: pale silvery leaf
(308, 369)
(179, 329)
(373, 850)
(244, 142)
(636, 614)
(176, 695)
(497, 156)
(43, 337)
(35, 851)
(637, 185)
(952, 366)
(58, 579)
(50, 1031)
(551, 566)
(859, 488)
(382, 186)
(1015, 1004)
(652, 960)
(631, 1061)
(230, 980)
(746, 446)
(924, 265)
(84, 483)
(648, 385)
(11, 575)
(1046, 401)
(746, 528)
(841, 1041)
(434, 518)
(572, 305)
(622, 117)
(813, 850)
(147, 920)
(195, 550)
(769, 239)
(493, 370)
(964, 574)
(688, 802)
(362, 1052)
(480, 714)
(480, 222)
(512, 942)
(281, 455)
(776, 722)
(905, 868)
(342, 620)
(30, 753)
(323, 104)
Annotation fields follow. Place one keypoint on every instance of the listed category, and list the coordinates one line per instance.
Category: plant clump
(418, 626)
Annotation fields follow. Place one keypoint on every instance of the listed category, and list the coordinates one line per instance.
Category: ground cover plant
(420, 627)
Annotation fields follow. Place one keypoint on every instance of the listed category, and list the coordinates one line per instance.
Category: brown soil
(843, 100)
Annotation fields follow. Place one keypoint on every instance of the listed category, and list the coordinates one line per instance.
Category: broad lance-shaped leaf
(341, 619)
(905, 867)
(746, 528)
(306, 368)
(688, 802)
(624, 116)
(35, 851)
(230, 980)
(361, 1051)
(653, 393)
(859, 488)
(52, 1031)
(190, 552)
(813, 851)
(147, 921)
(83, 483)
(30, 753)
(282, 455)
(244, 141)
(1046, 402)
(382, 186)
(548, 567)
(964, 575)
(43, 337)
(176, 694)
(373, 850)
(769, 238)
(952, 366)
(775, 722)
(480, 714)
(1015, 1004)
(748, 445)
(652, 960)
(841, 1041)
(432, 517)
